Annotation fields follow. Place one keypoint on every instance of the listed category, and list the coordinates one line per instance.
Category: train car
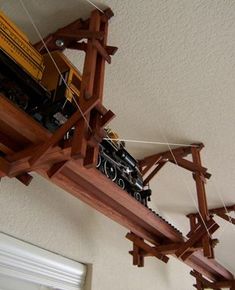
(45, 87)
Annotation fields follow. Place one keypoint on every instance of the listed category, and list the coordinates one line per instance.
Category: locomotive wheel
(137, 196)
(109, 170)
(121, 183)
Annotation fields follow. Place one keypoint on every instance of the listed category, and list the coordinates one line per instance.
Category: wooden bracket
(177, 156)
(71, 35)
(174, 156)
(202, 283)
(221, 212)
(141, 249)
(199, 233)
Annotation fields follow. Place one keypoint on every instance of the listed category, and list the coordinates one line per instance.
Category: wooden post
(202, 202)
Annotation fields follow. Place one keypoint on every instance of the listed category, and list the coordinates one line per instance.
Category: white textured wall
(48, 217)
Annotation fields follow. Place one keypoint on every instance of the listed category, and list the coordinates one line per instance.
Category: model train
(45, 86)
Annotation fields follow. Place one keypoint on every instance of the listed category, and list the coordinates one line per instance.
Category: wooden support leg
(138, 258)
(199, 284)
(202, 202)
(196, 236)
(146, 248)
(79, 141)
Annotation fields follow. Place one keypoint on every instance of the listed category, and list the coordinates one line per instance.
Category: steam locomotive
(33, 83)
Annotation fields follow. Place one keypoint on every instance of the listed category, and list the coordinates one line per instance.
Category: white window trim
(25, 261)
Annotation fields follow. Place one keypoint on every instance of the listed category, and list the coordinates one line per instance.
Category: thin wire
(227, 212)
(50, 55)
(150, 142)
(189, 191)
(93, 4)
(221, 262)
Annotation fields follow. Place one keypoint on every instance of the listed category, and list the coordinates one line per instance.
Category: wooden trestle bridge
(28, 147)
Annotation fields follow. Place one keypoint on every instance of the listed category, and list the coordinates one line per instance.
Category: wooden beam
(221, 212)
(202, 280)
(7, 145)
(196, 236)
(59, 134)
(191, 166)
(202, 202)
(111, 50)
(90, 60)
(222, 209)
(102, 51)
(56, 168)
(227, 218)
(141, 244)
(19, 121)
(79, 139)
(224, 284)
(106, 118)
(79, 34)
(180, 151)
(150, 165)
(153, 173)
(4, 167)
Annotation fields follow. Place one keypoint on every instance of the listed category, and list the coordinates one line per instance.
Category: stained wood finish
(97, 191)
(56, 163)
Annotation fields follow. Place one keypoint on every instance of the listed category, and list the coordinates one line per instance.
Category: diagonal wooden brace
(142, 245)
(59, 134)
(196, 237)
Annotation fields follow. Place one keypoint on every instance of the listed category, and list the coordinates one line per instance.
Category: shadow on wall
(88, 282)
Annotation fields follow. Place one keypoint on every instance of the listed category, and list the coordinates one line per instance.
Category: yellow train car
(16, 45)
(62, 80)
(32, 81)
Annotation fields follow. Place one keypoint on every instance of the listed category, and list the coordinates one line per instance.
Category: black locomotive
(118, 165)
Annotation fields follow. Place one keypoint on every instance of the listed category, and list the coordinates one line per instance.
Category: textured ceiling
(173, 79)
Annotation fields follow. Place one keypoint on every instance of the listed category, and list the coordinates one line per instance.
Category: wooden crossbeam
(227, 218)
(141, 244)
(212, 285)
(195, 237)
(106, 118)
(202, 281)
(102, 50)
(79, 34)
(70, 35)
(7, 145)
(111, 50)
(202, 201)
(79, 140)
(56, 168)
(170, 249)
(181, 151)
(56, 137)
(222, 209)
(153, 173)
(221, 212)
(4, 167)
(191, 166)
(150, 165)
